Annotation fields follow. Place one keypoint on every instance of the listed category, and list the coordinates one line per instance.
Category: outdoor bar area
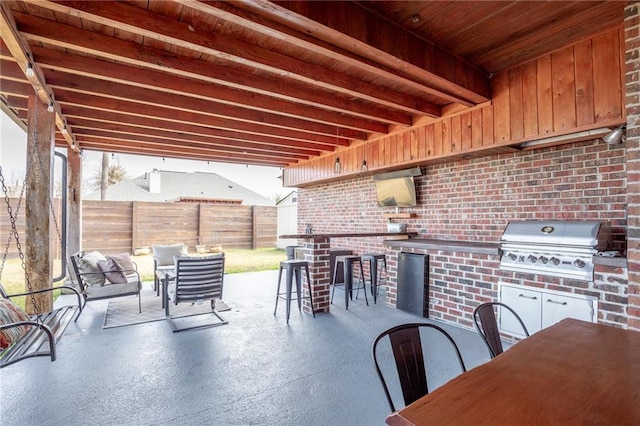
(464, 245)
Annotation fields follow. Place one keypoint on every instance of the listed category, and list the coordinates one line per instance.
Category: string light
(337, 167)
(50, 107)
(30, 72)
(364, 166)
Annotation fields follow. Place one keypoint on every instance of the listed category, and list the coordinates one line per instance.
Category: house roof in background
(174, 186)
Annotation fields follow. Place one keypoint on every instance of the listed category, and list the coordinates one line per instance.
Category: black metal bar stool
(294, 267)
(347, 263)
(375, 260)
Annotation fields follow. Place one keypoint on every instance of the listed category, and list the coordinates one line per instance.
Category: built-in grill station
(556, 248)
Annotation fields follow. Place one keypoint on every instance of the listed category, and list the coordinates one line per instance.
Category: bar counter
(480, 247)
(347, 235)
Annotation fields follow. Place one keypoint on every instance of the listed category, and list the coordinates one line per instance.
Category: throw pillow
(112, 271)
(10, 313)
(164, 254)
(124, 260)
(88, 267)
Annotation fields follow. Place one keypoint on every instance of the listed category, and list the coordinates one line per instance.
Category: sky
(263, 180)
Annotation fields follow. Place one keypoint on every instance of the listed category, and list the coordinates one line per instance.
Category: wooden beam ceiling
(262, 82)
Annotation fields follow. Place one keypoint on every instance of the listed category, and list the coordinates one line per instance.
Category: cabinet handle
(528, 297)
(557, 303)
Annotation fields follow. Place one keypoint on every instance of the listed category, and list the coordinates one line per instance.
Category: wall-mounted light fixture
(337, 166)
(616, 136)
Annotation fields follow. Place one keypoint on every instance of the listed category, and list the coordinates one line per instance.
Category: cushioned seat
(163, 260)
(101, 277)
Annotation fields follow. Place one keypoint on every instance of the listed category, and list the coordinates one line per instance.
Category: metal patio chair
(484, 318)
(407, 348)
(196, 280)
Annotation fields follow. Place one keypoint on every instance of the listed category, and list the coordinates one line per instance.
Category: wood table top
(573, 372)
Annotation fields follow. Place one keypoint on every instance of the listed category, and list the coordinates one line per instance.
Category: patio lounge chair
(100, 277)
(197, 279)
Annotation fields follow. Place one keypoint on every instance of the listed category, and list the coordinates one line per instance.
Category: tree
(107, 175)
(104, 178)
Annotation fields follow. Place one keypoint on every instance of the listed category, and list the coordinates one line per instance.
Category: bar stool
(293, 267)
(375, 260)
(347, 263)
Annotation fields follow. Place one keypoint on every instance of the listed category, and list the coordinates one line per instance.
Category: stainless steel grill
(556, 248)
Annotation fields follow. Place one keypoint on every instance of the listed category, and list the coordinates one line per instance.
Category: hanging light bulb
(364, 167)
(29, 72)
(337, 167)
(50, 107)
(64, 130)
(113, 155)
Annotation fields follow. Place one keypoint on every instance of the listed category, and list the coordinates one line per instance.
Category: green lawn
(236, 261)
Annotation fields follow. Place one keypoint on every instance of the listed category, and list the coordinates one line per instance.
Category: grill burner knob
(555, 261)
(512, 257)
(579, 263)
(532, 258)
(543, 260)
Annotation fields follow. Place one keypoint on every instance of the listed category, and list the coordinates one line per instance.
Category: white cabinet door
(527, 303)
(557, 307)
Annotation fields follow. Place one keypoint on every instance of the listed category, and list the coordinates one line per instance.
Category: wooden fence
(123, 226)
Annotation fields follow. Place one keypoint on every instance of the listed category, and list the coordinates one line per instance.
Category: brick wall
(474, 200)
(632, 80)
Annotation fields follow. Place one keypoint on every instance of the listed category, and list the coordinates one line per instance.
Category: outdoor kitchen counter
(348, 235)
(446, 245)
(480, 247)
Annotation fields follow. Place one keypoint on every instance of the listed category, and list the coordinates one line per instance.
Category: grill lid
(592, 234)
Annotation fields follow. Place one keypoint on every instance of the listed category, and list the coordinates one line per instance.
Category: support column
(74, 202)
(39, 223)
(632, 86)
(316, 252)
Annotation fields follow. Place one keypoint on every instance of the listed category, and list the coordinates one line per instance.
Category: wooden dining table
(572, 373)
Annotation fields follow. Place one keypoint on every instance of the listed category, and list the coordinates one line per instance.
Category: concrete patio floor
(257, 370)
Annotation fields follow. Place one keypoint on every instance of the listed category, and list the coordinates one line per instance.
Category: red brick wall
(632, 59)
(473, 200)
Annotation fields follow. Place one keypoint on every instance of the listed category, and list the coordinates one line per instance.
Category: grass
(236, 261)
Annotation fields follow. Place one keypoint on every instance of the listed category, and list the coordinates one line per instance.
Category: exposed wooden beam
(24, 58)
(75, 39)
(394, 52)
(169, 84)
(146, 102)
(154, 26)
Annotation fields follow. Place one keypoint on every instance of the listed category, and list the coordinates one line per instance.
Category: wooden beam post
(38, 235)
(74, 202)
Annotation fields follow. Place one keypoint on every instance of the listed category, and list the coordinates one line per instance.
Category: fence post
(254, 228)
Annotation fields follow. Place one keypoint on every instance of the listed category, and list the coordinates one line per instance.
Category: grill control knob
(512, 257)
(579, 263)
(543, 260)
(555, 261)
(531, 258)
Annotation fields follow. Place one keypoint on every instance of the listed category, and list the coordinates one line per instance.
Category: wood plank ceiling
(267, 83)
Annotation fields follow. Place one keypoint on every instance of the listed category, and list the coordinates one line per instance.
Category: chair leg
(335, 273)
(348, 275)
(298, 272)
(364, 286)
(289, 285)
(278, 290)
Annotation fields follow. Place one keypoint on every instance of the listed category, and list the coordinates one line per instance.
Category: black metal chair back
(198, 279)
(484, 317)
(407, 348)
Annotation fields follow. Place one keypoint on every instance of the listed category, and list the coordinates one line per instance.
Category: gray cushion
(88, 264)
(112, 271)
(164, 254)
(124, 260)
